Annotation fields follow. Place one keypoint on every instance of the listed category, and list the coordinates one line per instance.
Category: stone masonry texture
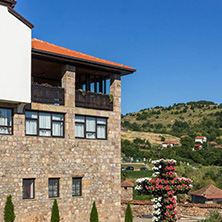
(140, 208)
(96, 161)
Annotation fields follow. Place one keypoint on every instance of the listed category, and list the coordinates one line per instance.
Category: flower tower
(164, 185)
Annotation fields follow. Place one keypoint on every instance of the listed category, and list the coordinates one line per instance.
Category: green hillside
(192, 119)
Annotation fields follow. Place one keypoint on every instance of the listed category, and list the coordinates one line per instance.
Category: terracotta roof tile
(213, 143)
(199, 137)
(184, 136)
(209, 192)
(127, 183)
(48, 47)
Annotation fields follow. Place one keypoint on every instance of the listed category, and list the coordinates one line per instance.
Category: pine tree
(9, 215)
(94, 214)
(55, 212)
(128, 215)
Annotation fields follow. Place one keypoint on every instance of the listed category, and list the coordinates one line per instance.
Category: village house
(200, 139)
(170, 144)
(208, 194)
(60, 113)
(127, 190)
(198, 146)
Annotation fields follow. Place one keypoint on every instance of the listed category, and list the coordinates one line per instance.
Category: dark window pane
(53, 187)
(28, 188)
(76, 186)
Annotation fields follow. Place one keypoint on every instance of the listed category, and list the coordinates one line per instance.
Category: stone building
(127, 190)
(60, 113)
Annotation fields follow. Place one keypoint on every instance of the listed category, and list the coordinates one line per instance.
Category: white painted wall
(15, 59)
(201, 140)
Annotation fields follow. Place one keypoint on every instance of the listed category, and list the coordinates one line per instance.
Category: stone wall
(140, 208)
(41, 158)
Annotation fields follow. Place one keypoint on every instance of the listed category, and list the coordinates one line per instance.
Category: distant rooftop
(199, 137)
(127, 183)
(209, 192)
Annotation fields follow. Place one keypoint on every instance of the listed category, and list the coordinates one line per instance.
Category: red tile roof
(213, 143)
(209, 192)
(127, 183)
(200, 137)
(48, 47)
(218, 146)
(184, 136)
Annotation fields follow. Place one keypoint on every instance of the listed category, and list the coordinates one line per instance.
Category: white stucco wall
(15, 58)
(201, 140)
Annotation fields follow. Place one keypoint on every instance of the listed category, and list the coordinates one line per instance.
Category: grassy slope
(153, 138)
(167, 117)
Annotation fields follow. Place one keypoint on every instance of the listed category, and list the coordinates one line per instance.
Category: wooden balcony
(47, 94)
(93, 100)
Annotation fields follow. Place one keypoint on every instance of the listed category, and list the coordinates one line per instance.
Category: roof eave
(21, 18)
(9, 3)
(122, 70)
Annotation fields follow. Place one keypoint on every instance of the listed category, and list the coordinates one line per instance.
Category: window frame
(96, 124)
(85, 80)
(33, 180)
(8, 127)
(51, 126)
(80, 178)
(57, 187)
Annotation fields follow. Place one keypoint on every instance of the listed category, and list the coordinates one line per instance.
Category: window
(93, 83)
(90, 127)
(76, 186)
(5, 121)
(54, 187)
(44, 124)
(28, 188)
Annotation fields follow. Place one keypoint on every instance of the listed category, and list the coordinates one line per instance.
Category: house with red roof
(60, 115)
(170, 144)
(200, 139)
(198, 146)
(127, 190)
(208, 194)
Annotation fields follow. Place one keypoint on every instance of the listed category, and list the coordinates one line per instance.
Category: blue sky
(175, 45)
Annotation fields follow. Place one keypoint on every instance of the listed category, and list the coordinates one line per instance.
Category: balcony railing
(47, 94)
(93, 100)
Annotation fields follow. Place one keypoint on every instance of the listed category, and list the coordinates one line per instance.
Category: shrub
(9, 215)
(128, 215)
(214, 217)
(94, 214)
(55, 212)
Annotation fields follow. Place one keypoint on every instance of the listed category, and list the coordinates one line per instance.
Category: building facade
(60, 138)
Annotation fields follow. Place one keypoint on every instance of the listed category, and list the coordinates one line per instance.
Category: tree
(187, 142)
(55, 212)
(128, 215)
(9, 215)
(94, 214)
